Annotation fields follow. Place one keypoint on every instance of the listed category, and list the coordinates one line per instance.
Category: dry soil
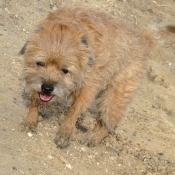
(144, 141)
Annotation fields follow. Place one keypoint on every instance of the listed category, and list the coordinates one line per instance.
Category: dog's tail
(153, 36)
(170, 28)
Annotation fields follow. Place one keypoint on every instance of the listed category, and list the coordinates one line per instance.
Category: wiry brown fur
(105, 59)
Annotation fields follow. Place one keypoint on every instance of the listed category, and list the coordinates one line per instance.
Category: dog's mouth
(45, 97)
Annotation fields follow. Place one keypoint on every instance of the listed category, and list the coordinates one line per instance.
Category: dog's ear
(84, 41)
(90, 61)
(22, 51)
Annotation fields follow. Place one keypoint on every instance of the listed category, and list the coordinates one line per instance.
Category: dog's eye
(84, 41)
(40, 63)
(65, 71)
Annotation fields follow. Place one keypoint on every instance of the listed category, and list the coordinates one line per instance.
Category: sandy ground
(144, 141)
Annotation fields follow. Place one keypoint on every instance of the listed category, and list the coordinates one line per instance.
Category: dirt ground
(144, 141)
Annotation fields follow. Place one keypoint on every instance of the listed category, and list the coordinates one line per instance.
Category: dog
(83, 56)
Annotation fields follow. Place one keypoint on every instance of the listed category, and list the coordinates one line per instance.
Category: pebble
(69, 166)
(50, 157)
(83, 149)
(29, 134)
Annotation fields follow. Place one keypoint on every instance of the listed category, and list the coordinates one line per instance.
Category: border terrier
(83, 56)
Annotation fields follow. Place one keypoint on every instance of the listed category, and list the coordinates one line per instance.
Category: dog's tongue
(45, 97)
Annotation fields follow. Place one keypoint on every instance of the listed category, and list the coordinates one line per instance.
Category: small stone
(69, 166)
(50, 157)
(112, 158)
(29, 134)
(83, 149)
(90, 156)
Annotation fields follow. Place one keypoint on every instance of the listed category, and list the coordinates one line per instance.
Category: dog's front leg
(31, 121)
(82, 101)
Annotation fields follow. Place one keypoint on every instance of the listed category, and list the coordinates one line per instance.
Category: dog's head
(56, 57)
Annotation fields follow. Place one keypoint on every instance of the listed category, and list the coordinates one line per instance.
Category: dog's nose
(47, 89)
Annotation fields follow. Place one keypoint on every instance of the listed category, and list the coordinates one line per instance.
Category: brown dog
(84, 56)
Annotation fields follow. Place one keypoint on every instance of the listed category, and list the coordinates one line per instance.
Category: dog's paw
(90, 139)
(89, 142)
(63, 137)
(27, 126)
(92, 142)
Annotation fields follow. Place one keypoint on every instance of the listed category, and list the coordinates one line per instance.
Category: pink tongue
(45, 97)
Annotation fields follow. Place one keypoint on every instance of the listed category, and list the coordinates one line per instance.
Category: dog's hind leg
(100, 131)
(113, 105)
